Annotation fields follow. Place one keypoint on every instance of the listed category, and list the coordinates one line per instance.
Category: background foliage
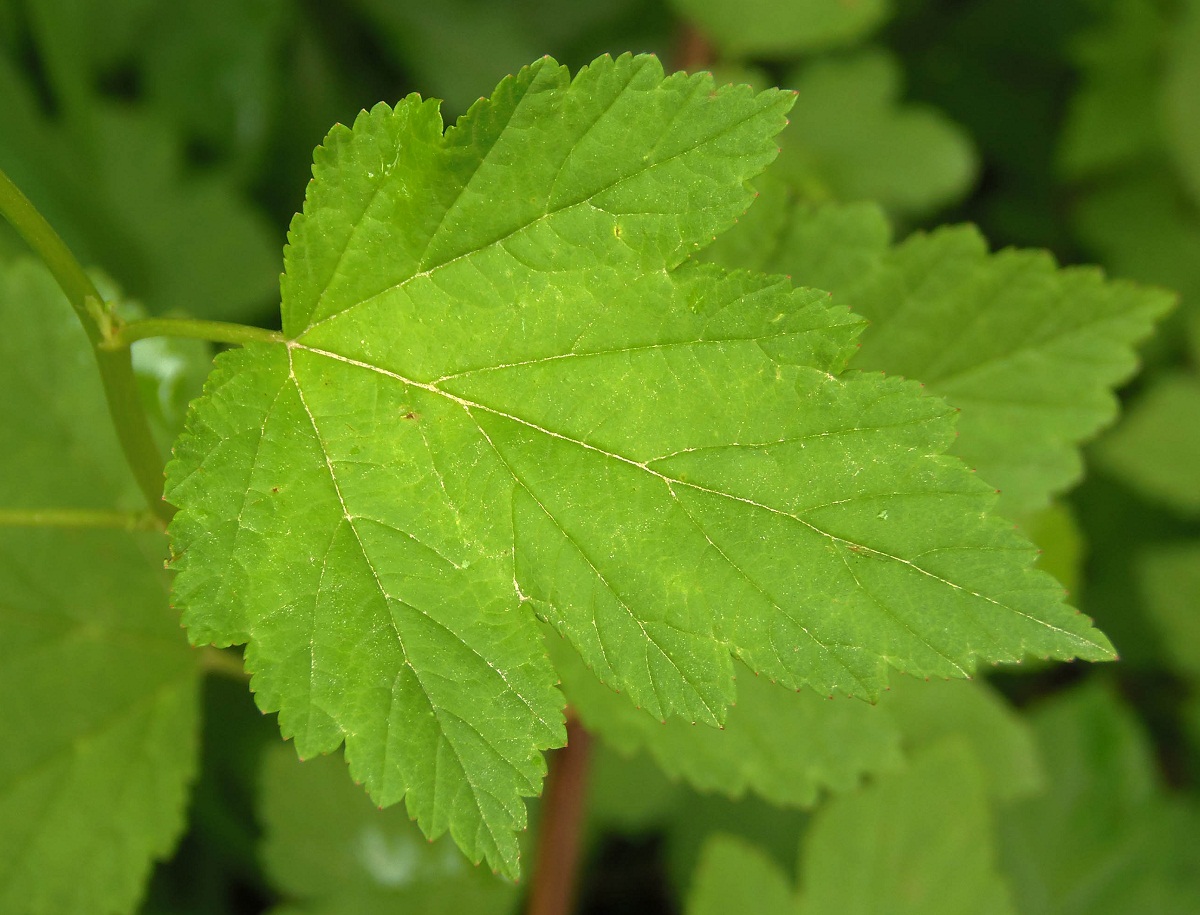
(170, 144)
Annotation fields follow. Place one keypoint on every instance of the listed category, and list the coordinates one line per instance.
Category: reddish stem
(557, 865)
(693, 51)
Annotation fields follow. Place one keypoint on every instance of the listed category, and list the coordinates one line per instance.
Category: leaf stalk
(192, 329)
(100, 323)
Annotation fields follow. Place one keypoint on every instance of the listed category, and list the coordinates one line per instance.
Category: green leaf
(785, 746)
(823, 245)
(114, 183)
(504, 391)
(488, 40)
(1029, 352)
(1104, 838)
(851, 138)
(99, 711)
(1111, 120)
(1170, 581)
(916, 841)
(772, 29)
(329, 849)
(921, 842)
(974, 713)
(1181, 98)
(1157, 448)
(789, 748)
(1056, 532)
(734, 876)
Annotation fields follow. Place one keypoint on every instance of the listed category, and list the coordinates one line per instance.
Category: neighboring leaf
(330, 850)
(1103, 839)
(114, 185)
(917, 841)
(768, 28)
(1029, 352)
(1142, 228)
(488, 39)
(1111, 120)
(974, 713)
(1170, 581)
(170, 373)
(823, 245)
(503, 386)
(1056, 532)
(213, 69)
(1181, 96)
(98, 685)
(774, 831)
(629, 794)
(734, 876)
(786, 746)
(851, 138)
(1157, 448)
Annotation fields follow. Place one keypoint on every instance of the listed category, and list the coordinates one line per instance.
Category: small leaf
(852, 139)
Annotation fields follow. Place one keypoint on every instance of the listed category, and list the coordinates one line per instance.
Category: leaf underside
(507, 394)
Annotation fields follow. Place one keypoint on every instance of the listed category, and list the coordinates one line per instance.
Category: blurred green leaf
(1169, 577)
(329, 849)
(852, 138)
(212, 69)
(114, 183)
(98, 684)
(1056, 532)
(734, 876)
(786, 746)
(1112, 118)
(975, 714)
(769, 28)
(1103, 839)
(1029, 352)
(915, 841)
(1157, 448)
(457, 50)
(1181, 95)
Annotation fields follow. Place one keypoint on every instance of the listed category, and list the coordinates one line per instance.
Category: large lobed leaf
(503, 390)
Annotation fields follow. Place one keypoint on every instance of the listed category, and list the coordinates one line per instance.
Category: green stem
(116, 368)
(78, 517)
(191, 328)
(132, 427)
(224, 662)
(81, 292)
